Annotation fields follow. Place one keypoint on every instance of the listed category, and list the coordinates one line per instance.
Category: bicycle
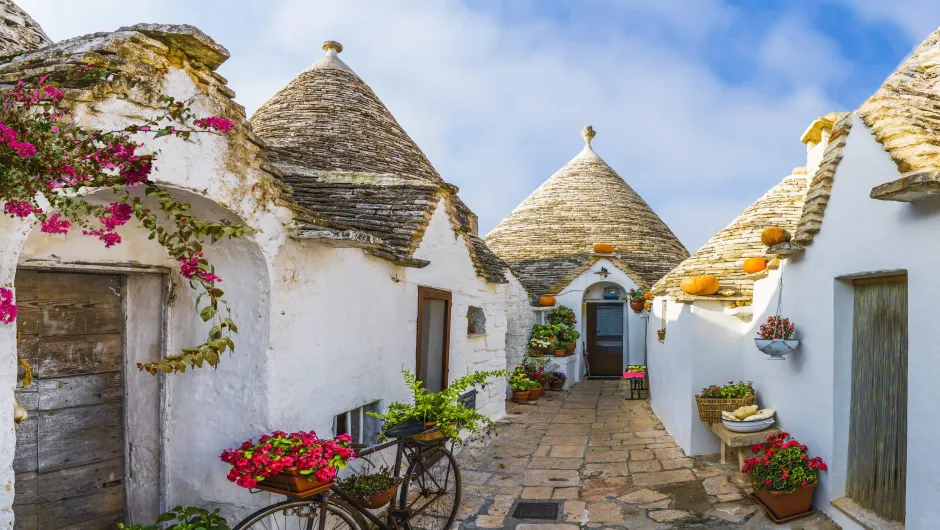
(428, 497)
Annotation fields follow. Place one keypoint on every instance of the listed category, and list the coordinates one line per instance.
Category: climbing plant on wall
(49, 164)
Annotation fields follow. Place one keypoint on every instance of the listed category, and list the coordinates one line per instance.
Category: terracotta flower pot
(291, 483)
(560, 353)
(558, 385)
(379, 499)
(785, 504)
(535, 393)
(520, 396)
(636, 306)
(570, 346)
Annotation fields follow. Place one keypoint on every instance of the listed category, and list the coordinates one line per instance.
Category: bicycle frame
(397, 515)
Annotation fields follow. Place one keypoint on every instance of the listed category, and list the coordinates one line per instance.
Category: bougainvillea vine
(50, 163)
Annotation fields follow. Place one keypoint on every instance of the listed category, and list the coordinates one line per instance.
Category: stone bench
(733, 442)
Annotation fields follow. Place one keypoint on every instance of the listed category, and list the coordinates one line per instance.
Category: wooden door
(877, 456)
(605, 339)
(69, 459)
(433, 338)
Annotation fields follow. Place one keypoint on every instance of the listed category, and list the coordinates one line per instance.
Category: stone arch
(185, 420)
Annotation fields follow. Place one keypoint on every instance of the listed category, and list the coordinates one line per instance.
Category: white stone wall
(810, 390)
(520, 319)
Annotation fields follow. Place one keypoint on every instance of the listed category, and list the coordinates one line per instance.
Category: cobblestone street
(608, 463)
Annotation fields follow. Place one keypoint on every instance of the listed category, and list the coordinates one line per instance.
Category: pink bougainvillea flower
(215, 122)
(7, 308)
(54, 224)
(19, 208)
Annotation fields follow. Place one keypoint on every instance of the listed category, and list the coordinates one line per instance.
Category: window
(363, 428)
(476, 321)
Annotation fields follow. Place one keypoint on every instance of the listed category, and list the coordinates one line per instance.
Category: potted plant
(538, 346)
(635, 296)
(561, 315)
(774, 338)
(372, 490)
(297, 464)
(184, 518)
(560, 349)
(557, 381)
(521, 385)
(784, 477)
(547, 332)
(715, 399)
(569, 336)
(443, 408)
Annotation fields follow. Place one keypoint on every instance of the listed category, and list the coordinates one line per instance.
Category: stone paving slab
(609, 463)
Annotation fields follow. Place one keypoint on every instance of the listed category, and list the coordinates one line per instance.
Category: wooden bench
(739, 442)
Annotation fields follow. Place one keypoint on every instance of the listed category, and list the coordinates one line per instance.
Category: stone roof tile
(18, 31)
(723, 255)
(550, 235)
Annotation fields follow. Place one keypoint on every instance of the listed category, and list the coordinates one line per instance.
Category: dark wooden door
(69, 459)
(433, 338)
(605, 339)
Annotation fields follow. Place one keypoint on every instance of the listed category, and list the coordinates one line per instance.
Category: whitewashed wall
(520, 317)
(204, 410)
(810, 390)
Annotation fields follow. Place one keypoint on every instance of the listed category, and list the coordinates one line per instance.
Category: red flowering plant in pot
(784, 477)
(297, 464)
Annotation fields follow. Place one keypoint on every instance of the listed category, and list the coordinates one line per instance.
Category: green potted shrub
(715, 399)
(521, 385)
(371, 490)
(546, 332)
(784, 477)
(181, 518)
(560, 349)
(538, 346)
(561, 315)
(569, 336)
(442, 409)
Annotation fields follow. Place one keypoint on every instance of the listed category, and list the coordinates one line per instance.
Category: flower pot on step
(535, 393)
(380, 499)
(783, 504)
(560, 353)
(570, 346)
(520, 396)
(560, 385)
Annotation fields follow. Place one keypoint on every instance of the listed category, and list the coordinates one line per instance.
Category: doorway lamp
(603, 273)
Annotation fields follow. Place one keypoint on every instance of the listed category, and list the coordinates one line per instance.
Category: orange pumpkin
(774, 235)
(699, 285)
(647, 295)
(547, 301)
(647, 304)
(752, 265)
(602, 248)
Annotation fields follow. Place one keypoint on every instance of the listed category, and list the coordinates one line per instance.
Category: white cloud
(497, 101)
(918, 18)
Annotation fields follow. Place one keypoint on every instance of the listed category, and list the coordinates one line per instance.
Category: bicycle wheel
(431, 491)
(298, 515)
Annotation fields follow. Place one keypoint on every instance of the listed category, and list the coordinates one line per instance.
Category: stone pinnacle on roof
(332, 45)
(549, 237)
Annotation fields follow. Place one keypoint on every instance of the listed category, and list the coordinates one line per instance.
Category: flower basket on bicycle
(291, 483)
(298, 465)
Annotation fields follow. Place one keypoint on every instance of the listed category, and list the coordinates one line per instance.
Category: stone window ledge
(863, 517)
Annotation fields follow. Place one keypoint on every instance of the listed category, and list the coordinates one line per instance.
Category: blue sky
(698, 104)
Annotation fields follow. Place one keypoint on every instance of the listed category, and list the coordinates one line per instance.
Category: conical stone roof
(548, 239)
(353, 170)
(18, 31)
(329, 119)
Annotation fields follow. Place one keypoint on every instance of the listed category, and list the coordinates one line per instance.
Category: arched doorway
(605, 329)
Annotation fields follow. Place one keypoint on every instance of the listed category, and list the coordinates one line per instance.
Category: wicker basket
(709, 409)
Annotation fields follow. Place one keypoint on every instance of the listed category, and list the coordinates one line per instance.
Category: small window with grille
(363, 429)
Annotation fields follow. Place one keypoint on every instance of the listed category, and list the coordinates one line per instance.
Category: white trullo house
(356, 231)
(548, 242)
(859, 282)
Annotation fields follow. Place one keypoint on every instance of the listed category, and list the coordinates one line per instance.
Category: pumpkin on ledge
(752, 265)
(547, 301)
(705, 285)
(774, 235)
(603, 248)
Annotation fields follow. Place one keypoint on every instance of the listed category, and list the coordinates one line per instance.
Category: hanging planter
(775, 338)
(637, 300)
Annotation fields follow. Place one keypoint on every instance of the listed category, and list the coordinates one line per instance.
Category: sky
(698, 104)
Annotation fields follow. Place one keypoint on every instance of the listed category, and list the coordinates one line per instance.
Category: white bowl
(748, 426)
